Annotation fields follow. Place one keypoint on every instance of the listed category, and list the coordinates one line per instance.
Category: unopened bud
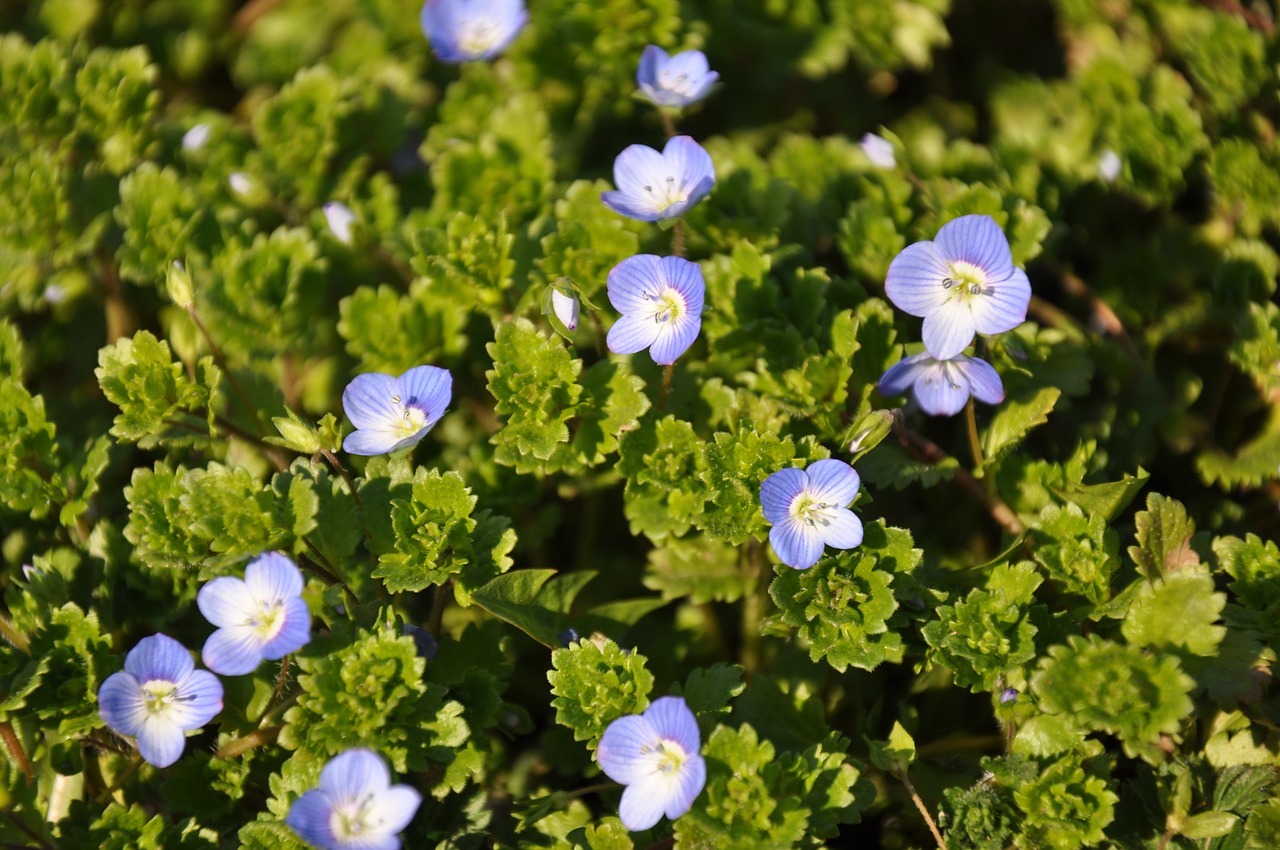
(178, 282)
(195, 138)
(340, 218)
(567, 308)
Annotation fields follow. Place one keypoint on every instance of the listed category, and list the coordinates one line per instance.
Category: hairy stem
(279, 689)
(253, 740)
(924, 811)
(677, 238)
(14, 746)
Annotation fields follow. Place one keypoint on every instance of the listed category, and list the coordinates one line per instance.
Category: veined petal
(367, 401)
(160, 741)
(900, 377)
(295, 631)
(674, 338)
(796, 543)
(233, 650)
(941, 392)
(689, 160)
(272, 576)
(948, 330)
(311, 817)
(368, 441)
(672, 720)
(632, 333)
(634, 282)
(915, 279)
(226, 601)
(354, 774)
(689, 781)
(1002, 306)
(832, 482)
(690, 64)
(394, 808)
(839, 528)
(121, 704)
(636, 167)
(685, 277)
(159, 657)
(978, 240)
(199, 699)
(653, 58)
(632, 206)
(984, 380)
(427, 387)
(625, 752)
(644, 802)
(778, 491)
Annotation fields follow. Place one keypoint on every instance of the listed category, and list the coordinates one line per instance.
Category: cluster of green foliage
(1060, 629)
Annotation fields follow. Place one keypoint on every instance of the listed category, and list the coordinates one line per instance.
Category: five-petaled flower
(464, 30)
(660, 299)
(941, 387)
(657, 756)
(158, 697)
(674, 81)
(655, 186)
(394, 413)
(809, 509)
(356, 807)
(262, 616)
(962, 282)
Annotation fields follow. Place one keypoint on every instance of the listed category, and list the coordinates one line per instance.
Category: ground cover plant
(639, 424)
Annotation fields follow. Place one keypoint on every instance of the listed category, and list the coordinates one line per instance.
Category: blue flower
(660, 299)
(158, 697)
(394, 413)
(463, 30)
(941, 387)
(656, 755)
(340, 218)
(879, 150)
(655, 186)
(674, 81)
(962, 282)
(262, 616)
(356, 807)
(809, 509)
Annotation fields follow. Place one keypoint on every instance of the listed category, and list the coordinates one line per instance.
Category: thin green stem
(666, 385)
(971, 428)
(253, 740)
(438, 602)
(753, 605)
(240, 394)
(677, 238)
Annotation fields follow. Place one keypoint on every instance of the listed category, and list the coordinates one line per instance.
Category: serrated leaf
(1164, 538)
(896, 753)
(1178, 613)
(594, 684)
(1014, 419)
(1107, 499)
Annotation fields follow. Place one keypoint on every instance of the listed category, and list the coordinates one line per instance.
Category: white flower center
(159, 694)
(268, 620)
(810, 511)
(477, 36)
(667, 192)
(351, 819)
(667, 757)
(668, 305)
(679, 83)
(966, 281)
(410, 418)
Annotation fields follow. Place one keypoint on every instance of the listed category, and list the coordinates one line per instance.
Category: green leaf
(433, 533)
(1067, 806)
(158, 403)
(664, 492)
(535, 601)
(736, 465)
(708, 690)
(1079, 552)
(1164, 538)
(596, 683)
(699, 569)
(30, 478)
(1177, 613)
(1208, 825)
(1014, 420)
(535, 382)
(1107, 499)
(387, 331)
(896, 753)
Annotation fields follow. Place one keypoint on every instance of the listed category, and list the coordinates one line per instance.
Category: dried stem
(1103, 315)
(924, 812)
(13, 637)
(928, 451)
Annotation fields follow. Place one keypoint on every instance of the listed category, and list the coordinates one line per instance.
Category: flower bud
(566, 307)
(178, 282)
(339, 218)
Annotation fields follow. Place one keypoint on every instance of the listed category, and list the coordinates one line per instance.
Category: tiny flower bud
(879, 150)
(568, 636)
(246, 188)
(340, 218)
(178, 282)
(1008, 695)
(195, 138)
(1109, 165)
(567, 308)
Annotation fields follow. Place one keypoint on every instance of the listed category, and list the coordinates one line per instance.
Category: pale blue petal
(672, 720)
(443, 23)
(691, 164)
(796, 543)
(948, 330)
(394, 808)
(915, 279)
(651, 60)
(832, 482)
(899, 377)
(354, 774)
(159, 657)
(632, 333)
(984, 380)
(1002, 305)
(632, 206)
(226, 601)
(685, 277)
(941, 393)
(367, 401)
(674, 338)
(294, 633)
(121, 704)
(429, 388)
(839, 528)
(197, 700)
(978, 240)
(233, 650)
(778, 491)
(644, 803)
(625, 752)
(635, 168)
(160, 741)
(271, 577)
(634, 282)
(370, 442)
(689, 781)
(311, 817)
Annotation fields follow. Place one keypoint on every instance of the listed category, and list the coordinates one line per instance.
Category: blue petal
(368, 441)
(429, 388)
(644, 803)
(625, 751)
(651, 60)
(690, 779)
(685, 277)
(839, 528)
(632, 283)
(443, 22)
(641, 209)
(632, 333)
(899, 377)
(294, 633)
(984, 381)
(233, 650)
(121, 704)
(311, 817)
(976, 239)
(915, 279)
(354, 774)
(160, 741)
(778, 491)
(394, 808)
(796, 543)
(226, 601)
(636, 167)
(672, 720)
(198, 700)
(159, 657)
(832, 482)
(368, 403)
(271, 577)
(674, 338)
(948, 330)
(941, 392)
(1002, 305)
(691, 164)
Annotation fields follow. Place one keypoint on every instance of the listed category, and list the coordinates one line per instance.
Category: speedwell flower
(394, 413)
(879, 150)
(655, 186)
(356, 807)
(158, 697)
(463, 30)
(961, 282)
(942, 387)
(656, 755)
(262, 616)
(809, 509)
(660, 299)
(674, 81)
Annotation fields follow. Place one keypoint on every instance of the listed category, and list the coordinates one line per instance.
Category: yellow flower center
(966, 280)
(350, 819)
(158, 695)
